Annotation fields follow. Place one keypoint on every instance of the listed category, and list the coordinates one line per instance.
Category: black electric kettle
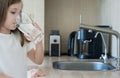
(71, 43)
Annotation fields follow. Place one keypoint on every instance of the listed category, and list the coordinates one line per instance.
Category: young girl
(13, 47)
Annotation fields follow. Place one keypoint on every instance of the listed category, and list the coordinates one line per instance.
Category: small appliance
(54, 43)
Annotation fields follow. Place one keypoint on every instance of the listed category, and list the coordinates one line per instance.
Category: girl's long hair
(4, 5)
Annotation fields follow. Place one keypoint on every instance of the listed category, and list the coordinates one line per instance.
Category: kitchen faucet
(112, 32)
(103, 56)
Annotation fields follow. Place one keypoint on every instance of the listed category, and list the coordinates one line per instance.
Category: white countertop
(50, 72)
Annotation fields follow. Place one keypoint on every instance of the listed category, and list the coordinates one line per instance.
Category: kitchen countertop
(50, 72)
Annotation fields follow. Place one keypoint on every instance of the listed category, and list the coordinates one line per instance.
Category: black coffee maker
(88, 46)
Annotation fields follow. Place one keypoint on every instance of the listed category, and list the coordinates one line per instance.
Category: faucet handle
(104, 57)
(101, 57)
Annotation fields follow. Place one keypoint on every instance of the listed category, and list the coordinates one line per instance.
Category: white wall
(35, 9)
(110, 15)
(64, 15)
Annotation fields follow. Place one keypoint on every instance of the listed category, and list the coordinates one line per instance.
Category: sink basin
(84, 66)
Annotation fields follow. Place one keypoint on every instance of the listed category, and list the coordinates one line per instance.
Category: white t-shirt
(12, 56)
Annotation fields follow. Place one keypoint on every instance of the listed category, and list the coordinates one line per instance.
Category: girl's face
(13, 11)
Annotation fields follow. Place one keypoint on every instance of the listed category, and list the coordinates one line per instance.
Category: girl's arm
(37, 55)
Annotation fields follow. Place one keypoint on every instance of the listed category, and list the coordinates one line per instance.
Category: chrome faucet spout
(104, 57)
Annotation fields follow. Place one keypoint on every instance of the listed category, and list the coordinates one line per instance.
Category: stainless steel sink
(84, 66)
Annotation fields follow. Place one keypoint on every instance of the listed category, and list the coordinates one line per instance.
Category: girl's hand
(34, 73)
(28, 38)
(31, 38)
(38, 74)
(41, 35)
(37, 26)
